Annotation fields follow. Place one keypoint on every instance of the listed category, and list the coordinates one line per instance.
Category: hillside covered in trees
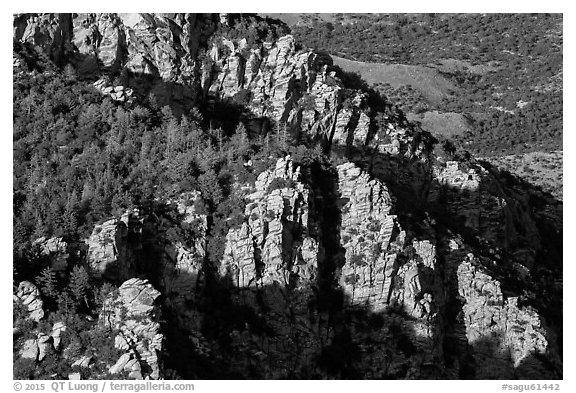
(199, 196)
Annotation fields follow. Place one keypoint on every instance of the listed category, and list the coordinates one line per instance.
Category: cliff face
(163, 45)
(153, 53)
(406, 283)
(113, 245)
(281, 82)
(394, 264)
(274, 245)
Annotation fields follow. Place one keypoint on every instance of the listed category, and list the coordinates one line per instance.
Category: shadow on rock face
(313, 328)
(527, 219)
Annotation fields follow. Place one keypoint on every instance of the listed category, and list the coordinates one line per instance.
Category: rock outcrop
(156, 44)
(134, 313)
(475, 198)
(57, 329)
(282, 83)
(272, 256)
(395, 264)
(30, 349)
(182, 250)
(396, 278)
(56, 249)
(290, 86)
(161, 47)
(37, 348)
(386, 274)
(498, 329)
(29, 296)
(371, 236)
(113, 246)
(273, 245)
(118, 93)
(50, 32)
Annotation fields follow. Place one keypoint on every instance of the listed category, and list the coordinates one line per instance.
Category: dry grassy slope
(445, 124)
(538, 168)
(428, 81)
(455, 65)
(292, 19)
(544, 169)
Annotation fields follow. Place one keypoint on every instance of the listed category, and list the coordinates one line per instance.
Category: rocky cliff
(153, 52)
(134, 315)
(385, 262)
(397, 288)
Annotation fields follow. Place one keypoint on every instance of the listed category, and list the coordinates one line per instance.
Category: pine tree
(194, 136)
(207, 158)
(239, 141)
(209, 187)
(175, 138)
(282, 136)
(79, 285)
(65, 302)
(449, 148)
(219, 134)
(35, 181)
(70, 73)
(101, 299)
(21, 235)
(54, 218)
(71, 213)
(39, 227)
(48, 284)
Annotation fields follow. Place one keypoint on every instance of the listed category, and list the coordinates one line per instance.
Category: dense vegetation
(80, 157)
(508, 68)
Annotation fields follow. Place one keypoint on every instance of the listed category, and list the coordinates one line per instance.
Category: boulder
(84, 362)
(30, 349)
(120, 364)
(57, 330)
(29, 295)
(43, 345)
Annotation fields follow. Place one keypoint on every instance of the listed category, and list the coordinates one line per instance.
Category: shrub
(279, 183)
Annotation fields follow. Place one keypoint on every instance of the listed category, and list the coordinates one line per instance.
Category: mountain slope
(295, 227)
